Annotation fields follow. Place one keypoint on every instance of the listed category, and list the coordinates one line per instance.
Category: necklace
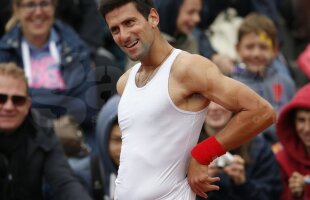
(142, 83)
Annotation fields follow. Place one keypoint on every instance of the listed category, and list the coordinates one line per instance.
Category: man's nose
(124, 35)
(8, 105)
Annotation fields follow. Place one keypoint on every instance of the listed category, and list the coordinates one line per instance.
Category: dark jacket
(293, 156)
(107, 116)
(262, 175)
(44, 158)
(79, 97)
(85, 18)
(5, 14)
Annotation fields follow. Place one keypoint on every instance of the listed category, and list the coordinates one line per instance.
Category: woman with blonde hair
(56, 62)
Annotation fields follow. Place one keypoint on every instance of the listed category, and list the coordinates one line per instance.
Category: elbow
(269, 114)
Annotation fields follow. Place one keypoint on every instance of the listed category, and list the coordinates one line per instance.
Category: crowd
(58, 61)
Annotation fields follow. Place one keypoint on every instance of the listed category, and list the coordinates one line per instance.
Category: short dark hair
(143, 6)
(255, 23)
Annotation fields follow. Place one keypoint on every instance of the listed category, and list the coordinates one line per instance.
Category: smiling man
(162, 110)
(29, 150)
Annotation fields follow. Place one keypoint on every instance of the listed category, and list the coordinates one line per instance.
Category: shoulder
(186, 64)
(69, 35)
(194, 71)
(11, 39)
(121, 83)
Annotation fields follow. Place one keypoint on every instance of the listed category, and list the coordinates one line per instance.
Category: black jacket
(44, 160)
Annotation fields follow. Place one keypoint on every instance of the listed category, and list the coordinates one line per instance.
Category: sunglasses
(17, 100)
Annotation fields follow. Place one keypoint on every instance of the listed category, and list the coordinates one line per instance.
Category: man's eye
(114, 30)
(129, 22)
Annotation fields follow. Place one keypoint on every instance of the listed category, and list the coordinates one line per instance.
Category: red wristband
(208, 150)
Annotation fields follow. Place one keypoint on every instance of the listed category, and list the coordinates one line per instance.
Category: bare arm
(253, 113)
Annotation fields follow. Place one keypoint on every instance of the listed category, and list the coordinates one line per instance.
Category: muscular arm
(253, 113)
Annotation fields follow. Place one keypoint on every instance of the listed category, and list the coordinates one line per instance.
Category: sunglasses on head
(17, 100)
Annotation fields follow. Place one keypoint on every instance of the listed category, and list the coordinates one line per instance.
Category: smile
(131, 44)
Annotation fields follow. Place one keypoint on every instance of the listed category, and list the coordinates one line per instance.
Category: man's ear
(153, 18)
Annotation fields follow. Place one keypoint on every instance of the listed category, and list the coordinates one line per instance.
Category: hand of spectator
(224, 63)
(296, 184)
(199, 180)
(213, 169)
(236, 170)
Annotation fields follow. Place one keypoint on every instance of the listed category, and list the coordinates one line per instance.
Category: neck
(159, 50)
(37, 41)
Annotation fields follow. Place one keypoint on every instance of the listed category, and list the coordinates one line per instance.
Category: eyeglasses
(17, 100)
(30, 7)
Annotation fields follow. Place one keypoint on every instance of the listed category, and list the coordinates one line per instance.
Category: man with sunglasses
(29, 149)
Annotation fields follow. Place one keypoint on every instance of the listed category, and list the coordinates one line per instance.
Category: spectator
(293, 130)
(56, 62)
(212, 8)
(29, 150)
(109, 138)
(257, 48)
(251, 172)
(178, 18)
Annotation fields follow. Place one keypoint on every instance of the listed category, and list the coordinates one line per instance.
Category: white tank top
(157, 138)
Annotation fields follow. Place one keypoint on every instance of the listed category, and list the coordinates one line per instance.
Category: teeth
(38, 22)
(131, 45)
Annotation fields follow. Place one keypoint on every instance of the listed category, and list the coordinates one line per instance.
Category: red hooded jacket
(293, 156)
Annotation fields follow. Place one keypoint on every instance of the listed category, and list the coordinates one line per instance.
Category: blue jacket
(79, 98)
(262, 175)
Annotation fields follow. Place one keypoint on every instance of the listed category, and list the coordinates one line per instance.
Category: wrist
(208, 150)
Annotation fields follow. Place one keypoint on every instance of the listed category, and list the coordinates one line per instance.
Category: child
(257, 48)
(109, 138)
(293, 130)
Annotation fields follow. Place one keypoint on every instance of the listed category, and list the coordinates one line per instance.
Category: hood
(286, 127)
(168, 11)
(107, 115)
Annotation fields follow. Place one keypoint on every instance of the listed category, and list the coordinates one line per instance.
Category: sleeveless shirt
(157, 138)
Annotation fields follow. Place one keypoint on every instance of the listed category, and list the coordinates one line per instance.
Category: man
(161, 110)
(29, 150)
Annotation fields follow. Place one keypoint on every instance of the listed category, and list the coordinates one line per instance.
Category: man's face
(15, 108)
(131, 31)
(115, 144)
(302, 123)
(256, 51)
(189, 15)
